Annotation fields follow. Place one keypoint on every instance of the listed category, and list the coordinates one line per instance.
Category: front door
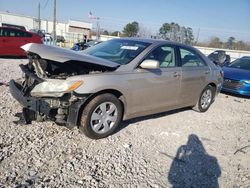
(157, 89)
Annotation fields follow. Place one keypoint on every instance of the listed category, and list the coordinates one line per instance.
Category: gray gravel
(181, 148)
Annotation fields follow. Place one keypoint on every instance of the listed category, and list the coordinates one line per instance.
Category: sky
(222, 18)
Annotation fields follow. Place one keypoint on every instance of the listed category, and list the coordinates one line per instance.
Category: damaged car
(113, 81)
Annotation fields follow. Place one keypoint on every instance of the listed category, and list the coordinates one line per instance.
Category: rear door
(22, 38)
(194, 75)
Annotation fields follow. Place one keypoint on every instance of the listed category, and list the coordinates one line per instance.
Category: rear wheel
(205, 100)
(101, 116)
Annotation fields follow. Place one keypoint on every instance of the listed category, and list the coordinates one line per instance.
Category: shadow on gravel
(193, 167)
(126, 123)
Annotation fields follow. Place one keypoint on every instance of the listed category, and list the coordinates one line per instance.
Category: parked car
(11, 39)
(48, 39)
(237, 77)
(113, 81)
(13, 26)
(39, 32)
(60, 38)
(79, 46)
(219, 57)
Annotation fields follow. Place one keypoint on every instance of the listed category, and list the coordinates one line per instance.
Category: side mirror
(150, 64)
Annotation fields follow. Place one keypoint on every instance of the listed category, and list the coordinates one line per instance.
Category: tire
(204, 103)
(101, 116)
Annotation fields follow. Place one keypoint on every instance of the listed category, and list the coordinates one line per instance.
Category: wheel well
(117, 93)
(213, 85)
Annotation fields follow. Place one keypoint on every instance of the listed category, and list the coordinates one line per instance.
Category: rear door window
(190, 59)
(1, 32)
(8, 32)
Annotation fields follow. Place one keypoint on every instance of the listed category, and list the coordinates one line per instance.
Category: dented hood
(63, 55)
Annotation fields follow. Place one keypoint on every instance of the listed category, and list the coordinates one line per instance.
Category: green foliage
(215, 42)
(115, 33)
(231, 43)
(175, 32)
(131, 29)
(105, 32)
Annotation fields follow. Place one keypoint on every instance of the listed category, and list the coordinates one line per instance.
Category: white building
(73, 30)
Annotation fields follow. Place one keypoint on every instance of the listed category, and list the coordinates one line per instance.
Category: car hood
(236, 74)
(63, 55)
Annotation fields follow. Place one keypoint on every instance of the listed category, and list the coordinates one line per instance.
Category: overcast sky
(222, 18)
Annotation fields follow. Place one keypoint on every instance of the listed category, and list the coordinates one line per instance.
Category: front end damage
(44, 91)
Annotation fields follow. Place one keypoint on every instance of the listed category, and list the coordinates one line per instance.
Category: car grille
(232, 84)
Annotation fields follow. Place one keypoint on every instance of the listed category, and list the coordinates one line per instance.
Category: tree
(175, 32)
(144, 32)
(215, 42)
(105, 32)
(165, 31)
(189, 36)
(115, 33)
(230, 42)
(131, 29)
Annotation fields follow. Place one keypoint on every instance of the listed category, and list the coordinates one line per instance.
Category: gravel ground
(182, 148)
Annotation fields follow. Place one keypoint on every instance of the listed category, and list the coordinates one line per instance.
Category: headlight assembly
(247, 81)
(55, 88)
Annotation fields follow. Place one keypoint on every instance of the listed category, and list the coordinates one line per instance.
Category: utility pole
(197, 38)
(97, 29)
(39, 17)
(54, 22)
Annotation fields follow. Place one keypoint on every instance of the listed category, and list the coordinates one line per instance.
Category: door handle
(176, 74)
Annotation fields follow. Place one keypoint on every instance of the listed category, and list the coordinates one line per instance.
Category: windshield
(119, 51)
(242, 63)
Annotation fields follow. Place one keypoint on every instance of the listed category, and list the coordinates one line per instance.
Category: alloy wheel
(206, 99)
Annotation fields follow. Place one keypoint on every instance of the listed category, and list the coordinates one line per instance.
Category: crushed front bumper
(28, 102)
(33, 106)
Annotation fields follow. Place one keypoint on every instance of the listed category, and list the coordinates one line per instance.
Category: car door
(194, 76)
(154, 90)
(2, 42)
(22, 38)
(12, 41)
(5, 45)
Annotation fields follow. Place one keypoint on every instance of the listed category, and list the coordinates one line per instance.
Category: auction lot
(181, 148)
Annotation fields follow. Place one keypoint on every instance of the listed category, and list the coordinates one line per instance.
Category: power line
(45, 5)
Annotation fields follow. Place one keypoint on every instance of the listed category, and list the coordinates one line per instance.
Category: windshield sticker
(129, 47)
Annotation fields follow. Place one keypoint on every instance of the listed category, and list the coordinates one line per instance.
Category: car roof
(155, 41)
(15, 28)
(9, 27)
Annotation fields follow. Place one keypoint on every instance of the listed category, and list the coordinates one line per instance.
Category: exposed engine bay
(45, 69)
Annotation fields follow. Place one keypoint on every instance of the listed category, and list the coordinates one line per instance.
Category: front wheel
(101, 116)
(205, 100)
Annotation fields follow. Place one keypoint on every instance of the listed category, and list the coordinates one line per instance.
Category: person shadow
(193, 167)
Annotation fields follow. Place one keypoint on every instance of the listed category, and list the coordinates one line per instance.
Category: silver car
(113, 81)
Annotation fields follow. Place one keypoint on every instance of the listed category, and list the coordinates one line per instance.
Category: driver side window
(165, 55)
